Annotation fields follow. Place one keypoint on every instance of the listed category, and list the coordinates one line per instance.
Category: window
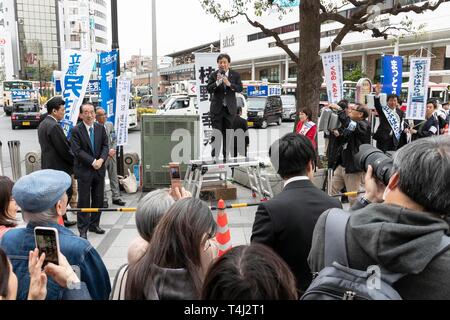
(271, 74)
(446, 63)
(180, 104)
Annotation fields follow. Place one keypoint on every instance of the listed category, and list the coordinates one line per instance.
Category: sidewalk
(121, 229)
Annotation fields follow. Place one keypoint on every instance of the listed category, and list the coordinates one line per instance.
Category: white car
(289, 107)
(181, 105)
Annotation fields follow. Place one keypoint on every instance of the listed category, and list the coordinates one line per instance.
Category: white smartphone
(47, 241)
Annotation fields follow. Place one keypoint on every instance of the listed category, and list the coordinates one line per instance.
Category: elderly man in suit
(223, 85)
(111, 163)
(286, 222)
(55, 148)
(90, 147)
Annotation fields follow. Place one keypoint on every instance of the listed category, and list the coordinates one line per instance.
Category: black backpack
(337, 281)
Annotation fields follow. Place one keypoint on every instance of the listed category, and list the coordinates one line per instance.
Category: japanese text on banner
(205, 65)
(108, 70)
(392, 74)
(123, 103)
(332, 66)
(418, 88)
(77, 68)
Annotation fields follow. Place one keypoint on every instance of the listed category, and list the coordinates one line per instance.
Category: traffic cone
(223, 235)
(446, 129)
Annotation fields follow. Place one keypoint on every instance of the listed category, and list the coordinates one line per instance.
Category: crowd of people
(399, 225)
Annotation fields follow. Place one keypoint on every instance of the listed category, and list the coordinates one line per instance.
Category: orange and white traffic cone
(223, 235)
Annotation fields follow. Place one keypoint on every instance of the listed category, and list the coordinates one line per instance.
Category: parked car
(263, 111)
(25, 114)
(183, 104)
(289, 107)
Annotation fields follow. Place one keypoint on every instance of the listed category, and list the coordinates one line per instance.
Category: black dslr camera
(381, 163)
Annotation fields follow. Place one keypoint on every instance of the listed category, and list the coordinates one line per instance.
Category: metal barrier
(14, 154)
(2, 170)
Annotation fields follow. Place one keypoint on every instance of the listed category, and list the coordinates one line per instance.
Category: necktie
(91, 136)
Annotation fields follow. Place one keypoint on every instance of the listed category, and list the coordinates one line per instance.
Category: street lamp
(115, 46)
(154, 57)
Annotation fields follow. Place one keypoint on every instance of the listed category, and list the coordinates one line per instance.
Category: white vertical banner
(76, 71)
(205, 65)
(334, 75)
(123, 104)
(418, 88)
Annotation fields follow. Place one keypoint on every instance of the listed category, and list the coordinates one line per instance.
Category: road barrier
(14, 154)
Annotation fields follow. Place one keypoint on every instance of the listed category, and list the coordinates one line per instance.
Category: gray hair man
(111, 162)
(402, 229)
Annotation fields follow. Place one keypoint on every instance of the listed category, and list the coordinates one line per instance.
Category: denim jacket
(17, 244)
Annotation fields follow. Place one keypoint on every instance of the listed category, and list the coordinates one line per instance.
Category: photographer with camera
(355, 132)
(406, 234)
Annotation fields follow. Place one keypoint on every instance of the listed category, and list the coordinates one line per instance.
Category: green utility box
(165, 139)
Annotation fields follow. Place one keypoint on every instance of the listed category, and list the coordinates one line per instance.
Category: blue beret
(41, 190)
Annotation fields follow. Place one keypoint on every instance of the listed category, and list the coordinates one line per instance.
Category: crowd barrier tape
(213, 208)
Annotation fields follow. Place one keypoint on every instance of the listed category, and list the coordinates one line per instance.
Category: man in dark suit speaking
(90, 147)
(55, 148)
(223, 85)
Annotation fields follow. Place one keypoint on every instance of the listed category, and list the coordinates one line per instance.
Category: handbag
(129, 182)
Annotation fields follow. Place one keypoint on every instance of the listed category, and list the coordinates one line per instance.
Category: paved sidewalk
(121, 229)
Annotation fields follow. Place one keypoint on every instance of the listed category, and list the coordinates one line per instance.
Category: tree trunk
(309, 78)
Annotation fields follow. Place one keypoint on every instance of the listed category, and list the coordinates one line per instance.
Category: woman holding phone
(8, 206)
(63, 274)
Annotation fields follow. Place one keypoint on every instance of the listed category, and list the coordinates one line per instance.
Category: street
(260, 141)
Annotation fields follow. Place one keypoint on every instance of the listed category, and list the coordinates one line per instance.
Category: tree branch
(276, 36)
(412, 8)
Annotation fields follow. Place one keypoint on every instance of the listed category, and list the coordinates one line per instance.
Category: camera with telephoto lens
(381, 163)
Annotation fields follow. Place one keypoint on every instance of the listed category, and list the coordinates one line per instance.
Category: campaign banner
(418, 88)
(108, 73)
(334, 77)
(23, 95)
(264, 91)
(257, 91)
(392, 75)
(76, 71)
(94, 87)
(205, 65)
(123, 104)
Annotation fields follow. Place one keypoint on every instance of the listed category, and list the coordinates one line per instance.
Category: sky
(181, 24)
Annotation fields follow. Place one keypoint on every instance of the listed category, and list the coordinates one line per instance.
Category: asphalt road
(260, 141)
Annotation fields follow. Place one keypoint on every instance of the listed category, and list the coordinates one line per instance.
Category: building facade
(38, 41)
(257, 57)
(87, 24)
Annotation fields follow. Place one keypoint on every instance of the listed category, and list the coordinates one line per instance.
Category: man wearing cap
(90, 147)
(354, 132)
(43, 199)
(55, 148)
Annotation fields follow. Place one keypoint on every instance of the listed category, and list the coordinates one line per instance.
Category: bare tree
(313, 13)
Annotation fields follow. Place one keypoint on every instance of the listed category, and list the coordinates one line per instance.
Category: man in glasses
(111, 163)
(355, 132)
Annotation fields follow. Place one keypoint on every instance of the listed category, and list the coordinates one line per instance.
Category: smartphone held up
(47, 241)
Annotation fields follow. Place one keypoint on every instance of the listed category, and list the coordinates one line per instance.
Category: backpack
(337, 281)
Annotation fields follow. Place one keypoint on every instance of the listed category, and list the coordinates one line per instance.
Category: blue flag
(108, 84)
(393, 75)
